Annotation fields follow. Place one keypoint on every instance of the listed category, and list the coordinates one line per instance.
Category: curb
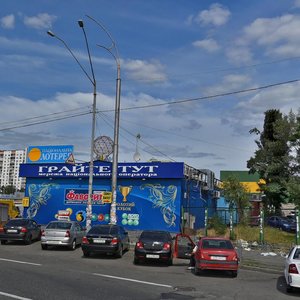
(262, 269)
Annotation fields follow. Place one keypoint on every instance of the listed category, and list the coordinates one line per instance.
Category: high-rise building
(10, 161)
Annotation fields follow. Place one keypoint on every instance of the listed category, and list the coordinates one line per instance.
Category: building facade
(150, 195)
(10, 161)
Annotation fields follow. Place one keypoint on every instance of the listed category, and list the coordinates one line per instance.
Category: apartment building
(10, 161)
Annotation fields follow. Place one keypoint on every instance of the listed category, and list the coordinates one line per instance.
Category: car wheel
(44, 247)
(120, 252)
(289, 289)
(3, 242)
(136, 261)
(234, 274)
(28, 240)
(170, 262)
(86, 253)
(73, 245)
(197, 270)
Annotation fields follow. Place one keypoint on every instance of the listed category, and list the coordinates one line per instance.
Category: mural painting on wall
(163, 197)
(39, 194)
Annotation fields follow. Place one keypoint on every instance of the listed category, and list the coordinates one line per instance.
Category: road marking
(20, 262)
(133, 280)
(14, 296)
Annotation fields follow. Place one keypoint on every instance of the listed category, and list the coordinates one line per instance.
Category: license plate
(12, 230)
(99, 241)
(218, 257)
(152, 256)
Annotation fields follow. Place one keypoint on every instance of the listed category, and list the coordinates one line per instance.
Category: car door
(184, 246)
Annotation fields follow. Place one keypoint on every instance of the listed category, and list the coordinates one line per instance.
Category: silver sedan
(62, 233)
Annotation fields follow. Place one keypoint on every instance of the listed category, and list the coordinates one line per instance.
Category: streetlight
(93, 81)
(113, 50)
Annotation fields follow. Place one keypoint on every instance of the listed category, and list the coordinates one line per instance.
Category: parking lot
(31, 273)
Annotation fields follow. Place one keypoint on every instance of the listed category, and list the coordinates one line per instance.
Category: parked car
(154, 245)
(62, 233)
(20, 229)
(292, 269)
(105, 239)
(216, 254)
(282, 223)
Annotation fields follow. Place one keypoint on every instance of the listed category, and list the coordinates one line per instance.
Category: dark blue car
(282, 223)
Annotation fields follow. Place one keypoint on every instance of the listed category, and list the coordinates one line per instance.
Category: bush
(217, 224)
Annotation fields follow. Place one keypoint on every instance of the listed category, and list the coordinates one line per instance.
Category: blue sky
(169, 51)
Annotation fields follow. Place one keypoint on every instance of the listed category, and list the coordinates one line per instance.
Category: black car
(105, 239)
(20, 229)
(154, 245)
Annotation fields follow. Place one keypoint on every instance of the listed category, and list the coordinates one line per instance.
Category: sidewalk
(258, 260)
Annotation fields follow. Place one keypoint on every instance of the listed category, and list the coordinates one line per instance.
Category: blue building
(150, 195)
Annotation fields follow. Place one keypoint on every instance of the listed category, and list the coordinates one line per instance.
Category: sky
(196, 76)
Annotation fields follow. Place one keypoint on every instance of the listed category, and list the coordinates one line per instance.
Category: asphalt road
(27, 272)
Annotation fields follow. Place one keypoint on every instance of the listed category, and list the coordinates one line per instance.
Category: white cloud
(280, 35)
(229, 83)
(216, 15)
(209, 45)
(144, 71)
(40, 21)
(8, 22)
(239, 55)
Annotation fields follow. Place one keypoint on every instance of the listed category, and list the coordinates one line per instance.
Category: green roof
(242, 176)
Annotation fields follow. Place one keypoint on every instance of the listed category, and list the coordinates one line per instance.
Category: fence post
(261, 227)
(205, 220)
(297, 227)
(231, 224)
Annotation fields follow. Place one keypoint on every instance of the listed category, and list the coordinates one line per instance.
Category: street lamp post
(113, 50)
(93, 81)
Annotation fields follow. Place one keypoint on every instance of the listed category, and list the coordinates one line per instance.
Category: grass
(273, 236)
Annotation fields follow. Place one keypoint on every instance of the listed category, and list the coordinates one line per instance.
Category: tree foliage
(277, 157)
(236, 194)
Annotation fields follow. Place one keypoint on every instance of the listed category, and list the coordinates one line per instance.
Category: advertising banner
(104, 170)
(49, 154)
(140, 204)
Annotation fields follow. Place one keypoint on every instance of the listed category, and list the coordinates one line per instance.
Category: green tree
(8, 190)
(272, 159)
(237, 195)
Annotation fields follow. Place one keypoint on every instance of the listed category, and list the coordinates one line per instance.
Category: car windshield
(158, 236)
(59, 225)
(17, 222)
(104, 230)
(217, 244)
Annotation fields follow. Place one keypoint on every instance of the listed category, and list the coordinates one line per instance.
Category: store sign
(80, 196)
(49, 154)
(25, 202)
(104, 170)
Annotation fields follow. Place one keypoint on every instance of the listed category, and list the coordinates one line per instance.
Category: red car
(216, 254)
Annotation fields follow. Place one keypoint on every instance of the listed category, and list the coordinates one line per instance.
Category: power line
(162, 104)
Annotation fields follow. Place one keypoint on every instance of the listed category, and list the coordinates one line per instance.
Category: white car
(292, 269)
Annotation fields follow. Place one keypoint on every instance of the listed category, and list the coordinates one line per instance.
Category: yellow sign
(107, 197)
(25, 201)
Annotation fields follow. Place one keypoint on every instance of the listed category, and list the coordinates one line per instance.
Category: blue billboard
(49, 154)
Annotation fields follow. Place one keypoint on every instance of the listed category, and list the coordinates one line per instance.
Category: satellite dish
(103, 147)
